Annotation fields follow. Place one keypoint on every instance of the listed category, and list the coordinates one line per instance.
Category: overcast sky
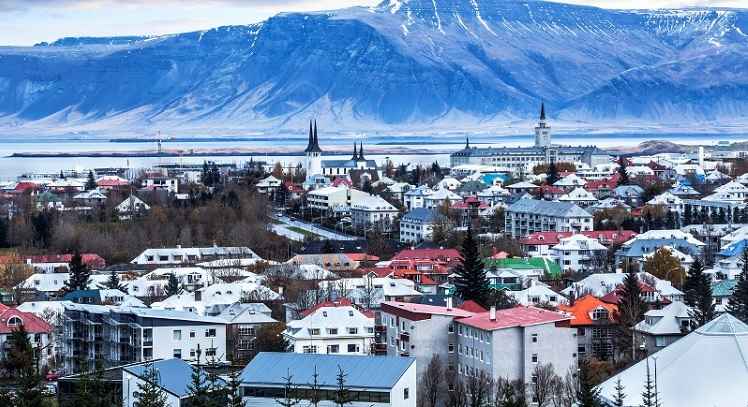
(26, 22)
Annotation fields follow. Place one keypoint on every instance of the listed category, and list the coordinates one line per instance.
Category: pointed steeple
(355, 152)
(467, 143)
(542, 110)
(361, 152)
(313, 144)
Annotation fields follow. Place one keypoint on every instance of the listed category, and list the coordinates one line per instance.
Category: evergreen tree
(687, 216)
(172, 287)
(114, 282)
(631, 309)
(620, 395)
(199, 389)
(552, 174)
(234, 391)
(341, 395)
(149, 393)
(90, 182)
(21, 367)
(315, 392)
(649, 395)
(79, 273)
(587, 395)
(623, 175)
(698, 290)
(290, 393)
(471, 282)
(738, 304)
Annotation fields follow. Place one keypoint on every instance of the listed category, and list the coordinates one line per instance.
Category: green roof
(548, 266)
(724, 288)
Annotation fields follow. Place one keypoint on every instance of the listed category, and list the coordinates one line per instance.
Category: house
(646, 243)
(215, 298)
(669, 201)
(54, 263)
(332, 328)
(493, 195)
(721, 292)
(602, 284)
(595, 324)
(171, 185)
(174, 380)
(422, 331)
(103, 297)
(191, 255)
(244, 321)
(93, 197)
(373, 213)
(39, 332)
(132, 206)
(570, 182)
(524, 269)
(662, 327)
(528, 216)
(716, 351)
(109, 182)
(268, 185)
(119, 335)
(418, 225)
(523, 187)
(372, 381)
(416, 197)
(510, 343)
(631, 194)
(370, 291)
(579, 196)
(537, 293)
(540, 243)
(439, 197)
(579, 253)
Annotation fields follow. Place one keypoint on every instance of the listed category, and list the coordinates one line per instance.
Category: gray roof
(422, 214)
(347, 163)
(362, 372)
(508, 151)
(174, 375)
(548, 208)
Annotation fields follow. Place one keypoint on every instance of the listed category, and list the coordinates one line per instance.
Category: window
(313, 331)
(451, 348)
(534, 358)
(534, 338)
(333, 348)
(247, 331)
(210, 352)
(600, 313)
(580, 331)
(192, 334)
(451, 328)
(324, 313)
(15, 321)
(352, 331)
(581, 349)
(309, 349)
(660, 341)
(178, 353)
(192, 353)
(369, 330)
(350, 313)
(177, 334)
(352, 348)
(332, 331)
(406, 393)
(210, 333)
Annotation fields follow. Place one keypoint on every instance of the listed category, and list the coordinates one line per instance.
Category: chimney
(449, 303)
(492, 313)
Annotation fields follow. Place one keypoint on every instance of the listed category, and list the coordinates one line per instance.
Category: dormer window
(324, 314)
(15, 321)
(599, 314)
(350, 313)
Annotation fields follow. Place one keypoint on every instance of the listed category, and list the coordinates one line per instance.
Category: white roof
(51, 282)
(665, 198)
(40, 308)
(339, 318)
(536, 290)
(682, 257)
(247, 313)
(391, 287)
(579, 242)
(599, 284)
(708, 367)
(733, 187)
(665, 321)
(443, 194)
(234, 263)
(373, 203)
(132, 201)
(522, 185)
(672, 234)
(579, 194)
(571, 180)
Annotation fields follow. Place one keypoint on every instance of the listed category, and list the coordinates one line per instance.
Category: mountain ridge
(400, 64)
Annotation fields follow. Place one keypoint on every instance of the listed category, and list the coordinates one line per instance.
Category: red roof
(111, 182)
(613, 298)
(31, 322)
(423, 309)
(341, 181)
(609, 183)
(25, 185)
(472, 306)
(583, 307)
(92, 260)
(551, 189)
(428, 254)
(361, 257)
(553, 238)
(514, 317)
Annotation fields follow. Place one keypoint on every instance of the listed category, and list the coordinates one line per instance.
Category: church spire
(355, 152)
(467, 142)
(542, 110)
(313, 144)
(361, 152)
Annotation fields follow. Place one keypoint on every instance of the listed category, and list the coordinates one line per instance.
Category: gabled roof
(716, 351)
(521, 316)
(666, 321)
(532, 263)
(583, 308)
(362, 372)
(32, 323)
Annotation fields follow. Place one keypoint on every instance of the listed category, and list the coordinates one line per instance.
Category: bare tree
(431, 385)
(564, 391)
(479, 386)
(290, 393)
(510, 393)
(543, 378)
(457, 392)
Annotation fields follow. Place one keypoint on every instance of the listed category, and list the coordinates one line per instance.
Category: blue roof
(175, 375)
(422, 214)
(74, 295)
(734, 249)
(489, 178)
(362, 372)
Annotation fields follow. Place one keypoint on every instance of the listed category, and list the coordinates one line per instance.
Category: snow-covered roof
(600, 284)
(665, 321)
(571, 180)
(666, 198)
(579, 242)
(247, 313)
(707, 367)
(671, 234)
(338, 318)
(579, 194)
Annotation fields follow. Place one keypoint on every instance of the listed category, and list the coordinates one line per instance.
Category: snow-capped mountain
(403, 63)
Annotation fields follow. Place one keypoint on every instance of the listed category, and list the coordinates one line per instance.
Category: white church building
(317, 169)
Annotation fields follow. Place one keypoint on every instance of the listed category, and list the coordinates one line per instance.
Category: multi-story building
(416, 197)
(191, 255)
(594, 321)
(422, 331)
(118, 335)
(417, 225)
(662, 327)
(528, 216)
(579, 253)
(244, 320)
(332, 329)
(39, 332)
(540, 243)
(510, 343)
(374, 213)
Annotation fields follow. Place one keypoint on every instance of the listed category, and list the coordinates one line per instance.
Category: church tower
(313, 161)
(542, 130)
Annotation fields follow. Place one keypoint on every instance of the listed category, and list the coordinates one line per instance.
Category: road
(307, 226)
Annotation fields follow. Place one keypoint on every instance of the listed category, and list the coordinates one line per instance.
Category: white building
(438, 197)
(175, 379)
(332, 330)
(418, 225)
(578, 253)
(531, 215)
(373, 213)
(191, 255)
(580, 197)
(669, 201)
(268, 184)
(416, 198)
(374, 381)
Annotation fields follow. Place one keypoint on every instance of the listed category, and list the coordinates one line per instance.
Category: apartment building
(373, 213)
(118, 335)
(191, 255)
(594, 321)
(510, 343)
(422, 331)
(244, 321)
(579, 253)
(332, 329)
(528, 216)
(417, 225)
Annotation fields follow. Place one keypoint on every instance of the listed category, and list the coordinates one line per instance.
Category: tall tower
(313, 161)
(542, 130)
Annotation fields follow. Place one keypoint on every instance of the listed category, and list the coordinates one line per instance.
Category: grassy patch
(306, 233)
